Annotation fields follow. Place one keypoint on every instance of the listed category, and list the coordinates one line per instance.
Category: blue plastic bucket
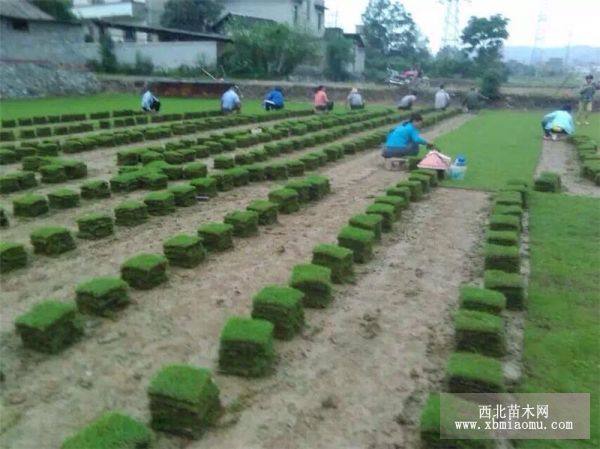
(458, 172)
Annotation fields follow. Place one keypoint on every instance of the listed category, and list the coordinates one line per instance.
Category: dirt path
(389, 327)
(560, 157)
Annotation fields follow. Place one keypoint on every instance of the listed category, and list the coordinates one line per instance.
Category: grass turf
(562, 323)
(499, 145)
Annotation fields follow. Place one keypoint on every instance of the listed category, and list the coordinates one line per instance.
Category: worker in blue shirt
(274, 99)
(405, 139)
(558, 122)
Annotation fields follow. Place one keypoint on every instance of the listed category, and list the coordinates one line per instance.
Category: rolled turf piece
(368, 222)
(479, 332)
(49, 326)
(184, 251)
(246, 347)
(473, 373)
(216, 236)
(266, 210)
(30, 205)
(315, 282)
(509, 284)
(111, 430)
(338, 259)
(287, 199)
(282, 306)
(359, 241)
(131, 213)
(482, 299)
(95, 189)
(12, 256)
(245, 223)
(145, 271)
(386, 211)
(52, 240)
(501, 257)
(95, 226)
(63, 199)
(184, 400)
(160, 203)
(184, 195)
(102, 296)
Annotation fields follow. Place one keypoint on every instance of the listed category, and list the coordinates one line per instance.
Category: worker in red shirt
(322, 103)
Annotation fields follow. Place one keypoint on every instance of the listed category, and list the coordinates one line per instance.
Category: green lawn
(562, 332)
(10, 109)
(499, 145)
(593, 129)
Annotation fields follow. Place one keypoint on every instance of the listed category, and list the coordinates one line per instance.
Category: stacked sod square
(244, 222)
(49, 326)
(52, 240)
(145, 271)
(131, 213)
(184, 251)
(359, 241)
(286, 199)
(111, 430)
(246, 347)
(102, 296)
(12, 256)
(216, 236)
(184, 400)
(338, 259)
(266, 210)
(282, 306)
(315, 282)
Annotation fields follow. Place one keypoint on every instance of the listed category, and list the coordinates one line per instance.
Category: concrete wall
(168, 55)
(51, 42)
(357, 66)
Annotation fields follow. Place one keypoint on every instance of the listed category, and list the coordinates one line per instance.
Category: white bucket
(457, 172)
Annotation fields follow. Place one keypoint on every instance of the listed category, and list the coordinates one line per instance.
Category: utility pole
(451, 36)
(537, 53)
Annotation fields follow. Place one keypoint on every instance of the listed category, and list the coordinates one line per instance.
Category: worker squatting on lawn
(230, 101)
(405, 139)
(149, 102)
(321, 101)
(274, 99)
(558, 122)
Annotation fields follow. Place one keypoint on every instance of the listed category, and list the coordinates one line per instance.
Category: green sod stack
(52, 240)
(246, 347)
(205, 186)
(403, 192)
(509, 284)
(398, 203)
(502, 257)
(224, 181)
(315, 282)
(416, 189)
(127, 182)
(30, 205)
(184, 251)
(160, 203)
(223, 162)
(12, 256)
(4, 223)
(240, 176)
(256, 172)
(502, 209)
(295, 167)
(153, 180)
(184, 400)
(423, 179)
(245, 223)
(95, 189)
(387, 213)
(266, 210)
(507, 238)
(95, 226)
(276, 171)
(368, 222)
(49, 326)
(338, 259)
(482, 300)
(63, 199)
(479, 332)
(194, 170)
(145, 271)
(547, 182)
(359, 241)
(473, 373)
(53, 173)
(282, 306)
(112, 430)
(102, 296)
(505, 223)
(319, 186)
(509, 199)
(302, 188)
(184, 195)
(287, 200)
(131, 213)
(216, 236)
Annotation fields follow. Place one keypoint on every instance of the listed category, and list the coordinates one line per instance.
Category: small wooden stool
(395, 163)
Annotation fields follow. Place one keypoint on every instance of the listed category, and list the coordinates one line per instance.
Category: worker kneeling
(274, 99)
(558, 122)
(405, 139)
(150, 103)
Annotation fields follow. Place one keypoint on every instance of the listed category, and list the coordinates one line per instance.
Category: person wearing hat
(274, 99)
(230, 101)
(586, 98)
(355, 100)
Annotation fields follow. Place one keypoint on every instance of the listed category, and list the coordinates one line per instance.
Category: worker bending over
(322, 102)
(149, 102)
(558, 122)
(230, 101)
(405, 139)
(274, 99)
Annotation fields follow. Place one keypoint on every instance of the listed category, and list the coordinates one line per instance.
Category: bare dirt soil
(355, 378)
(560, 157)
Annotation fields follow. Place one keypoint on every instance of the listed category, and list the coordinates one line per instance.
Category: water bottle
(460, 160)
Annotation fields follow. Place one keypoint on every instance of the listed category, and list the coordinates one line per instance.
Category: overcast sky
(574, 20)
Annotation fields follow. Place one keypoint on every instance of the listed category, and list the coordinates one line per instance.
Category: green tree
(191, 15)
(59, 9)
(490, 83)
(338, 54)
(484, 38)
(108, 60)
(450, 61)
(267, 50)
(391, 38)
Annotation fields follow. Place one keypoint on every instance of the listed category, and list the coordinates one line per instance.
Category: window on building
(296, 12)
(20, 25)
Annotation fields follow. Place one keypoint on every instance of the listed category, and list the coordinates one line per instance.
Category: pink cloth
(321, 98)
